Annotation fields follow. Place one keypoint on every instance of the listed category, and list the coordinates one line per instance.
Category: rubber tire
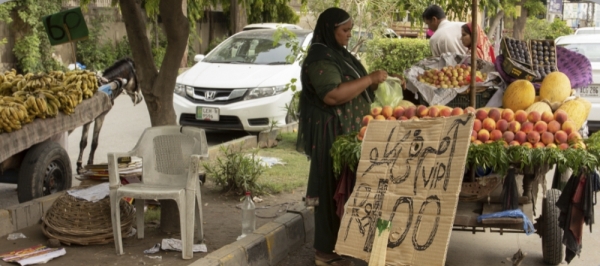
(46, 169)
(552, 248)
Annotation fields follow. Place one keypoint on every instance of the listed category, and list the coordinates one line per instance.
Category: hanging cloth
(510, 192)
(576, 208)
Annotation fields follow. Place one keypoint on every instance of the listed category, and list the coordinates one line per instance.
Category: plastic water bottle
(248, 216)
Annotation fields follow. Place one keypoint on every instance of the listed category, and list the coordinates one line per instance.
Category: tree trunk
(519, 26)
(157, 87)
(237, 14)
(211, 28)
(495, 22)
(184, 60)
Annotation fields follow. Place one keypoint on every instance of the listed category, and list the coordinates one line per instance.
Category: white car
(241, 84)
(257, 26)
(589, 46)
(587, 30)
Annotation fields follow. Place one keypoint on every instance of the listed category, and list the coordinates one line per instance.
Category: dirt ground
(222, 225)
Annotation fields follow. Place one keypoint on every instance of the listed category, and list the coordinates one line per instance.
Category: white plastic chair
(171, 158)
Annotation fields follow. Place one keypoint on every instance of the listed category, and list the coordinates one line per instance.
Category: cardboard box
(508, 54)
(410, 174)
(551, 64)
(517, 70)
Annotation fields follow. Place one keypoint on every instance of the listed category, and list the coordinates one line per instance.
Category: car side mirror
(199, 57)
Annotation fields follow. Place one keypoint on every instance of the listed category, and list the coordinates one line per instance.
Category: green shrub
(539, 29)
(396, 55)
(236, 171)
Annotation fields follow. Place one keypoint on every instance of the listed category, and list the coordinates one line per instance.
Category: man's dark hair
(434, 11)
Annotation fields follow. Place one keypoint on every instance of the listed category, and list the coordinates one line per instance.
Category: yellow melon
(556, 87)
(405, 103)
(577, 110)
(540, 107)
(519, 95)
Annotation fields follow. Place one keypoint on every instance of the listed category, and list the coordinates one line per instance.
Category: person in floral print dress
(336, 93)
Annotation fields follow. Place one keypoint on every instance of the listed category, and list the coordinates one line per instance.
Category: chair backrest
(166, 151)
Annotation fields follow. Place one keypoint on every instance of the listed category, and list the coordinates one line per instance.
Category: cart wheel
(551, 233)
(46, 169)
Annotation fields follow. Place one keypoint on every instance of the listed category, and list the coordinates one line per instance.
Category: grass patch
(283, 178)
(151, 215)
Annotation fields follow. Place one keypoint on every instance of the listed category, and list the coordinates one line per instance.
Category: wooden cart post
(473, 92)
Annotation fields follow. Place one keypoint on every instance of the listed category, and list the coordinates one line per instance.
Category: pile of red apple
(534, 130)
(450, 76)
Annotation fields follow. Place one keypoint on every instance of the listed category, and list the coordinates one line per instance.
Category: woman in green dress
(336, 93)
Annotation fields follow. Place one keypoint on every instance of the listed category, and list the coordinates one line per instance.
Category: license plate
(207, 113)
(590, 91)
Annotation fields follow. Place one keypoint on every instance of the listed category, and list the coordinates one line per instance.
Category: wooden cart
(34, 157)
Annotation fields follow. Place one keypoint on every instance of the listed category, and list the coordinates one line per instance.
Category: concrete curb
(269, 244)
(30, 213)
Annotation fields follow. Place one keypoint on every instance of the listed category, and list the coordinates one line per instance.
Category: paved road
(122, 128)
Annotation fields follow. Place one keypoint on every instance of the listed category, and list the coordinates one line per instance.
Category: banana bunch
(84, 80)
(31, 82)
(26, 97)
(36, 105)
(13, 114)
(52, 102)
(8, 81)
(59, 76)
(67, 105)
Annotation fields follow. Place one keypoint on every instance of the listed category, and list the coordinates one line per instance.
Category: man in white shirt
(446, 36)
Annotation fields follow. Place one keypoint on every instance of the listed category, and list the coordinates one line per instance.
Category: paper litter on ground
(15, 236)
(269, 161)
(93, 193)
(33, 255)
(175, 244)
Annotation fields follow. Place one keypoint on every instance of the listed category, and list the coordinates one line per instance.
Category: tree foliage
(32, 47)
(537, 29)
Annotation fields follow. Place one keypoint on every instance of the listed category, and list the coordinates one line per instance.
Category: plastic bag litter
(527, 224)
(15, 236)
(176, 244)
(389, 92)
(153, 249)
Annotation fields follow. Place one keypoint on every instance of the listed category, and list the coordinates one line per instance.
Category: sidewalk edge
(269, 244)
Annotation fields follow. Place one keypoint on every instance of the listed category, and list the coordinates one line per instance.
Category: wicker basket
(77, 221)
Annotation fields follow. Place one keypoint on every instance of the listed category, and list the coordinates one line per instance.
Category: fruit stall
(528, 121)
(36, 113)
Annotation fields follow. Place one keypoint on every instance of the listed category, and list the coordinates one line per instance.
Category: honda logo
(210, 95)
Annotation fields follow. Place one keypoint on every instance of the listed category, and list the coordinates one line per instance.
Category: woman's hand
(378, 76)
(401, 78)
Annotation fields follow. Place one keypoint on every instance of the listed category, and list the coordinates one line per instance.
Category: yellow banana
(33, 108)
(41, 103)
(13, 114)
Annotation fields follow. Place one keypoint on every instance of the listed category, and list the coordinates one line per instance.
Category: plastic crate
(464, 100)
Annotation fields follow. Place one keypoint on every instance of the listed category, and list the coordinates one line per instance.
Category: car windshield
(253, 47)
(590, 50)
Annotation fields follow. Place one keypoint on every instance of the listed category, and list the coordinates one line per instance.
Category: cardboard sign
(410, 173)
(65, 26)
